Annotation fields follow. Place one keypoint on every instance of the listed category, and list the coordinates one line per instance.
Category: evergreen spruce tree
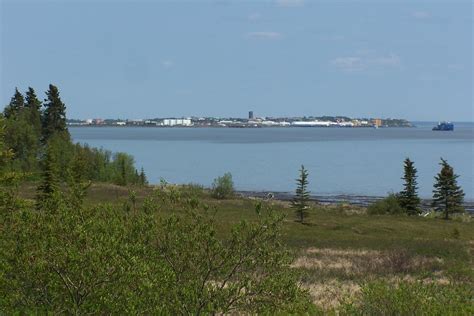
(47, 192)
(33, 104)
(300, 202)
(143, 179)
(408, 197)
(447, 194)
(17, 103)
(54, 115)
(21, 135)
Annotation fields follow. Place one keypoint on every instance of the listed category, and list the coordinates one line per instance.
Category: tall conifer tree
(32, 100)
(17, 103)
(300, 202)
(21, 134)
(33, 104)
(447, 194)
(54, 116)
(408, 197)
(142, 176)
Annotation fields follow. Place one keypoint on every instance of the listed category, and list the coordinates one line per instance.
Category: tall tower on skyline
(251, 117)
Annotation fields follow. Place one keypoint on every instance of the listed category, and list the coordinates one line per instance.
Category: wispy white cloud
(421, 14)
(167, 64)
(361, 62)
(264, 35)
(290, 3)
(391, 60)
(365, 52)
(348, 63)
(255, 16)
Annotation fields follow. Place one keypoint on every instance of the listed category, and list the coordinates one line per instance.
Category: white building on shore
(177, 122)
(313, 123)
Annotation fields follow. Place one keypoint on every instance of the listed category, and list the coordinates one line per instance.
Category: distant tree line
(448, 196)
(42, 148)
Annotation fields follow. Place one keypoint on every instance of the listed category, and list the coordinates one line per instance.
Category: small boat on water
(444, 126)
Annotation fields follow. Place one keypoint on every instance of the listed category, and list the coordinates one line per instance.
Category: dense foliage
(38, 137)
(8, 180)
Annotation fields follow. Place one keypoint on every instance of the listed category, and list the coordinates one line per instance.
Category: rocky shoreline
(357, 200)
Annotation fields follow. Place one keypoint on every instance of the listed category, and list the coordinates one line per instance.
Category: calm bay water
(340, 161)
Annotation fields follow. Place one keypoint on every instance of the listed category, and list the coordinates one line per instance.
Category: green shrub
(388, 205)
(406, 298)
(223, 187)
(192, 190)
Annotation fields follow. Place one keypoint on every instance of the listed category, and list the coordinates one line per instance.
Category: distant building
(377, 122)
(251, 117)
(177, 122)
(312, 123)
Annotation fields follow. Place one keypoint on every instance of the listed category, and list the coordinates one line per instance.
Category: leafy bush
(388, 205)
(223, 187)
(122, 170)
(383, 298)
(247, 271)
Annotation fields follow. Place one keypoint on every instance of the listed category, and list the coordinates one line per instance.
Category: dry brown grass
(330, 293)
(365, 262)
(333, 274)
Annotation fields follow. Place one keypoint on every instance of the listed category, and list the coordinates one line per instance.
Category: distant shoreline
(357, 200)
(250, 122)
(234, 127)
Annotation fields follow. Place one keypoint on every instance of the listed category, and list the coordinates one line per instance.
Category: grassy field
(341, 248)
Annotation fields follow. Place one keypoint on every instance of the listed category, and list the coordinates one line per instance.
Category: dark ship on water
(444, 126)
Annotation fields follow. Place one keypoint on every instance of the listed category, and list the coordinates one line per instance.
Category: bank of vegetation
(37, 134)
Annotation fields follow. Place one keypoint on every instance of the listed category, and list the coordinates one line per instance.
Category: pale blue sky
(135, 59)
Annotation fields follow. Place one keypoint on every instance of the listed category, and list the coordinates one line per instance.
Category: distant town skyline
(250, 122)
(277, 58)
